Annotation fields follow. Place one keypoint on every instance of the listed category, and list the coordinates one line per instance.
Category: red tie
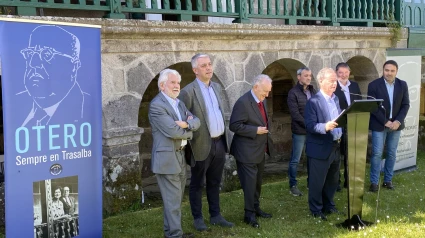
(263, 113)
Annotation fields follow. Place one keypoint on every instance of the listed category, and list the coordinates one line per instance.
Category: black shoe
(188, 235)
(345, 184)
(251, 221)
(220, 221)
(185, 235)
(388, 185)
(261, 213)
(199, 224)
(332, 211)
(320, 215)
(373, 188)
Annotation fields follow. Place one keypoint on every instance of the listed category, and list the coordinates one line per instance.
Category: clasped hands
(392, 125)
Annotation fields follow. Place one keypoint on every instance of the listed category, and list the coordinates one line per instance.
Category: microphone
(361, 95)
(380, 103)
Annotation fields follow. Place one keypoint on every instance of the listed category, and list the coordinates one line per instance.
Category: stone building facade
(135, 51)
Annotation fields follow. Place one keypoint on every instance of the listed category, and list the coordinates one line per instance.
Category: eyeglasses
(46, 54)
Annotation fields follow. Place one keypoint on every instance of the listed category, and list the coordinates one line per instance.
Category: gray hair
(194, 60)
(324, 73)
(260, 78)
(300, 70)
(163, 76)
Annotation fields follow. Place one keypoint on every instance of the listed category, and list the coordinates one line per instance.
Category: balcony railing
(64, 228)
(414, 13)
(328, 12)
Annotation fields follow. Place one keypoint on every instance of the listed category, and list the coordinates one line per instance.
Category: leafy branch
(396, 30)
(4, 11)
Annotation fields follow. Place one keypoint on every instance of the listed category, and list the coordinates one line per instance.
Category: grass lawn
(399, 213)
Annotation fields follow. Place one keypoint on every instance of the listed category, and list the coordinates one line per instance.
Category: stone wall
(135, 51)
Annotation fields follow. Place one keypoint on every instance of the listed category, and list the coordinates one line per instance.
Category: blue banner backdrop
(52, 128)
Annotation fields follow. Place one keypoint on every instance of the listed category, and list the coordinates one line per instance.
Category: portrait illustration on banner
(52, 94)
(51, 87)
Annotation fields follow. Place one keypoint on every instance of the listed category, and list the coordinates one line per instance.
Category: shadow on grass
(398, 213)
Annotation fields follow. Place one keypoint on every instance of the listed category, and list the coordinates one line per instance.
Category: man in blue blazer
(386, 123)
(323, 145)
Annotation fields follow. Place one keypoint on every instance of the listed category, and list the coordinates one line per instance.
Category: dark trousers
(323, 181)
(212, 170)
(251, 178)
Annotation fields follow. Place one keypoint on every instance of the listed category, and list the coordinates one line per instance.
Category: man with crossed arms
(172, 125)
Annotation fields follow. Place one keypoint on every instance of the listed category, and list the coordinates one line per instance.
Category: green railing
(414, 13)
(328, 12)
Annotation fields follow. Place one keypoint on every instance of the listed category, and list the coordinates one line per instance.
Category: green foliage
(398, 213)
(396, 30)
(125, 197)
(4, 11)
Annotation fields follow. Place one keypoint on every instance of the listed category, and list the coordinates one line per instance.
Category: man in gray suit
(209, 143)
(251, 144)
(172, 125)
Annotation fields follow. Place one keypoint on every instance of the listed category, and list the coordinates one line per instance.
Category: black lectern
(356, 119)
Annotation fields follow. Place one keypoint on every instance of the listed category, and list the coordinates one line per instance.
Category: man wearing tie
(386, 124)
(68, 202)
(346, 91)
(172, 126)
(209, 144)
(322, 145)
(251, 144)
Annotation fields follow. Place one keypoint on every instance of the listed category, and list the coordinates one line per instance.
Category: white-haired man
(251, 144)
(323, 145)
(172, 125)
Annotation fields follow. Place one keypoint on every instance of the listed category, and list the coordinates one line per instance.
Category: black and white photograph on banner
(56, 208)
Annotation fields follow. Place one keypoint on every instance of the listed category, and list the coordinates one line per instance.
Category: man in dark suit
(322, 145)
(172, 126)
(209, 143)
(251, 142)
(386, 124)
(68, 202)
(345, 91)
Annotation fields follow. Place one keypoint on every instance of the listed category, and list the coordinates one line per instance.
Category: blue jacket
(316, 114)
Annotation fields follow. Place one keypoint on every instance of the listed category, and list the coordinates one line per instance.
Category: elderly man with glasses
(50, 78)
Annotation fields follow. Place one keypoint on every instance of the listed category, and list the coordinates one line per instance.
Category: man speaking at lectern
(387, 122)
(323, 145)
